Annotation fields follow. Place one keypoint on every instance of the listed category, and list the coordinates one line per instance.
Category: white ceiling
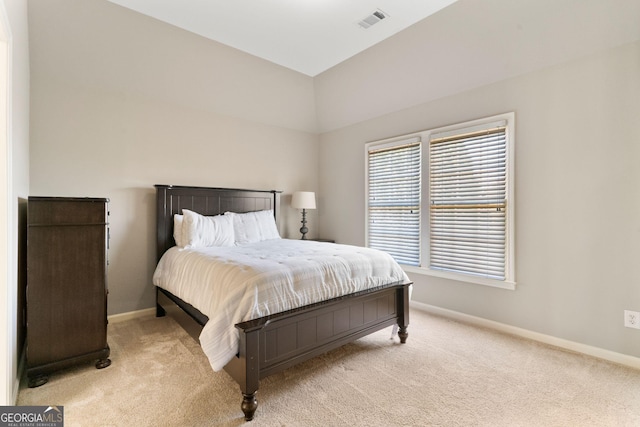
(309, 36)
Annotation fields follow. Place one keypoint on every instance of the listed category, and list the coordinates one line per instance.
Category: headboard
(171, 200)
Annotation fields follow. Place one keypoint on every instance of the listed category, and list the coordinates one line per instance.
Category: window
(393, 203)
(467, 201)
(464, 230)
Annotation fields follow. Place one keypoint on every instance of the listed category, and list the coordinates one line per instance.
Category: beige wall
(577, 201)
(469, 44)
(122, 102)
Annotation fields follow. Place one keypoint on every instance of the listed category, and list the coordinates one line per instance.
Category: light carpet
(448, 374)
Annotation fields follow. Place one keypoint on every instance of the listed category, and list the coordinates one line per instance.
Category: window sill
(461, 277)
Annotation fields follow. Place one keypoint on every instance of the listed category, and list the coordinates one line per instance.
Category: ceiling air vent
(373, 19)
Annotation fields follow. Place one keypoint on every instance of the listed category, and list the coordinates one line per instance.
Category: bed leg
(160, 312)
(249, 405)
(403, 334)
(403, 313)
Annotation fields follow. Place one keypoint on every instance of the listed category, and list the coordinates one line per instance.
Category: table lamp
(304, 200)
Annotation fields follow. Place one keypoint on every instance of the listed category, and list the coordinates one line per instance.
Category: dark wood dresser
(67, 241)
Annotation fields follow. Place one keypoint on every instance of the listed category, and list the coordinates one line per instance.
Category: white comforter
(234, 284)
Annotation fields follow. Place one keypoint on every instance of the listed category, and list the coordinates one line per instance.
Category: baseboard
(115, 318)
(611, 356)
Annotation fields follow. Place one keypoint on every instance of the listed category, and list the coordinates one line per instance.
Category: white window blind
(468, 201)
(394, 200)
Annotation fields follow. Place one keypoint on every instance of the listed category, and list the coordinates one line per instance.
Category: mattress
(234, 284)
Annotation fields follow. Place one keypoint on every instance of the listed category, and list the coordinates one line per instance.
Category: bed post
(403, 313)
(245, 369)
(163, 217)
(276, 208)
(161, 235)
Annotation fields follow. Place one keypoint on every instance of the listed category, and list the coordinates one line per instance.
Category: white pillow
(177, 229)
(203, 231)
(254, 227)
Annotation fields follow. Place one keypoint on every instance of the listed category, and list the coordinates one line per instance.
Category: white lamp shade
(303, 200)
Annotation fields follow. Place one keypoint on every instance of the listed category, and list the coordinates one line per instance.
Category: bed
(274, 342)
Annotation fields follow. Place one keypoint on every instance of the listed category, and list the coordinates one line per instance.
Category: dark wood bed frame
(274, 343)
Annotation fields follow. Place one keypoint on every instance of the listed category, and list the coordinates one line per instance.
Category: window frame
(425, 137)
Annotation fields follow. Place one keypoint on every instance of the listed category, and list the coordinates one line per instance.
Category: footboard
(272, 344)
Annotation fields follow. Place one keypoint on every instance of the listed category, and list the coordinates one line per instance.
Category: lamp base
(304, 230)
